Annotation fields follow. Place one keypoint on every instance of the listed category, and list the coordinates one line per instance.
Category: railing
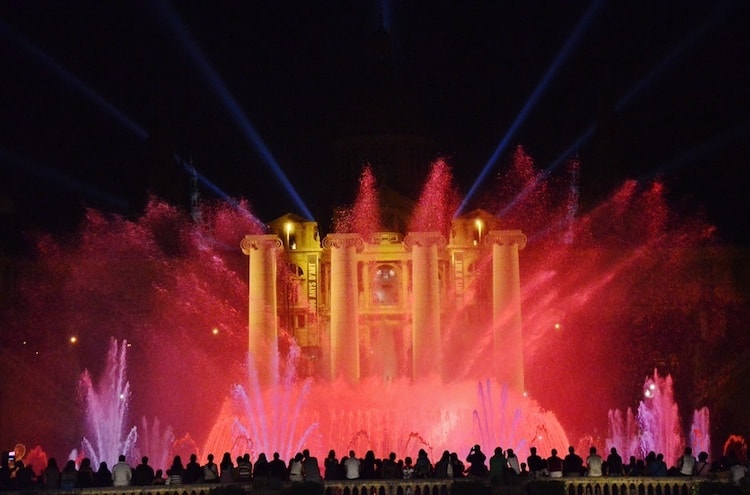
(426, 486)
(626, 485)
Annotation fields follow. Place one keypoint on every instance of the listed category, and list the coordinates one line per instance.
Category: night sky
(94, 94)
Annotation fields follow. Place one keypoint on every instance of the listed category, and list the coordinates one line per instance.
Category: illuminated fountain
(178, 292)
(656, 426)
(106, 410)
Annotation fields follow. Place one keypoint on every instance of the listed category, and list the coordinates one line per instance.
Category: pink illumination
(178, 293)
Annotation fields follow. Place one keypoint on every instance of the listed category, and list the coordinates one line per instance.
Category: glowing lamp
(557, 326)
(288, 227)
(73, 340)
(215, 331)
(652, 386)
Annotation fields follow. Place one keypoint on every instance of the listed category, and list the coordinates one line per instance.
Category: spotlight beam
(673, 56)
(562, 55)
(77, 84)
(624, 101)
(717, 142)
(627, 98)
(214, 81)
(25, 165)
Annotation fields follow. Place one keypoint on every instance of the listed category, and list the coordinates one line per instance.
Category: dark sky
(93, 93)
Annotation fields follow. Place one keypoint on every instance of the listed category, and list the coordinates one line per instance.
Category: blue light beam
(26, 165)
(717, 142)
(193, 51)
(82, 88)
(673, 56)
(570, 43)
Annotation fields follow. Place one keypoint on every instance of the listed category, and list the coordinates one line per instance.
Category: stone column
(263, 315)
(506, 306)
(426, 335)
(344, 305)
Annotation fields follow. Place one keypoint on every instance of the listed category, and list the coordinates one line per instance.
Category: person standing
(476, 459)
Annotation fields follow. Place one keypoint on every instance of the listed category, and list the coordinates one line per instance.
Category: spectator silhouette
(176, 471)
(572, 464)
(143, 474)
(261, 470)
(103, 476)
(331, 466)
(277, 468)
(226, 468)
(193, 471)
(476, 460)
(210, 470)
(51, 475)
(69, 476)
(310, 467)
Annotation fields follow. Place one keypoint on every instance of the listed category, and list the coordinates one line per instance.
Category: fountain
(178, 292)
(106, 410)
(657, 426)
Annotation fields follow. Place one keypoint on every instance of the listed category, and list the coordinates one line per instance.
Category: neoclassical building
(379, 306)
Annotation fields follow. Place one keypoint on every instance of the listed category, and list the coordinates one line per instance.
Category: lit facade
(377, 307)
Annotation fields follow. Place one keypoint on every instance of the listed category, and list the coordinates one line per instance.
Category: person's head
(688, 451)
(121, 458)
(703, 456)
(144, 460)
(52, 462)
(523, 466)
(592, 451)
(210, 457)
(103, 466)
(477, 448)
(177, 461)
(533, 450)
(70, 465)
(275, 456)
(351, 453)
(85, 463)
(159, 473)
(510, 453)
(392, 456)
(246, 457)
(299, 456)
(193, 458)
(613, 450)
(498, 451)
(571, 450)
(239, 460)
(554, 452)
(306, 453)
(407, 461)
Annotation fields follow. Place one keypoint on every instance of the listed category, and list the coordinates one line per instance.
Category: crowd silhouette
(503, 467)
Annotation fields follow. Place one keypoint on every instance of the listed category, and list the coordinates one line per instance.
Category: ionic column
(263, 321)
(344, 305)
(426, 338)
(506, 306)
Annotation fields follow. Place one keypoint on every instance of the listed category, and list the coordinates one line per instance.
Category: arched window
(385, 286)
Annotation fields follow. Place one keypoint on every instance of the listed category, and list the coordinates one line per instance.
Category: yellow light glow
(557, 326)
(215, 331)
(73, 340)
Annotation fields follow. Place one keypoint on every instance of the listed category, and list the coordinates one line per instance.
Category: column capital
(506, 238)
(424, 239)
(344, 241)
(252, 243)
